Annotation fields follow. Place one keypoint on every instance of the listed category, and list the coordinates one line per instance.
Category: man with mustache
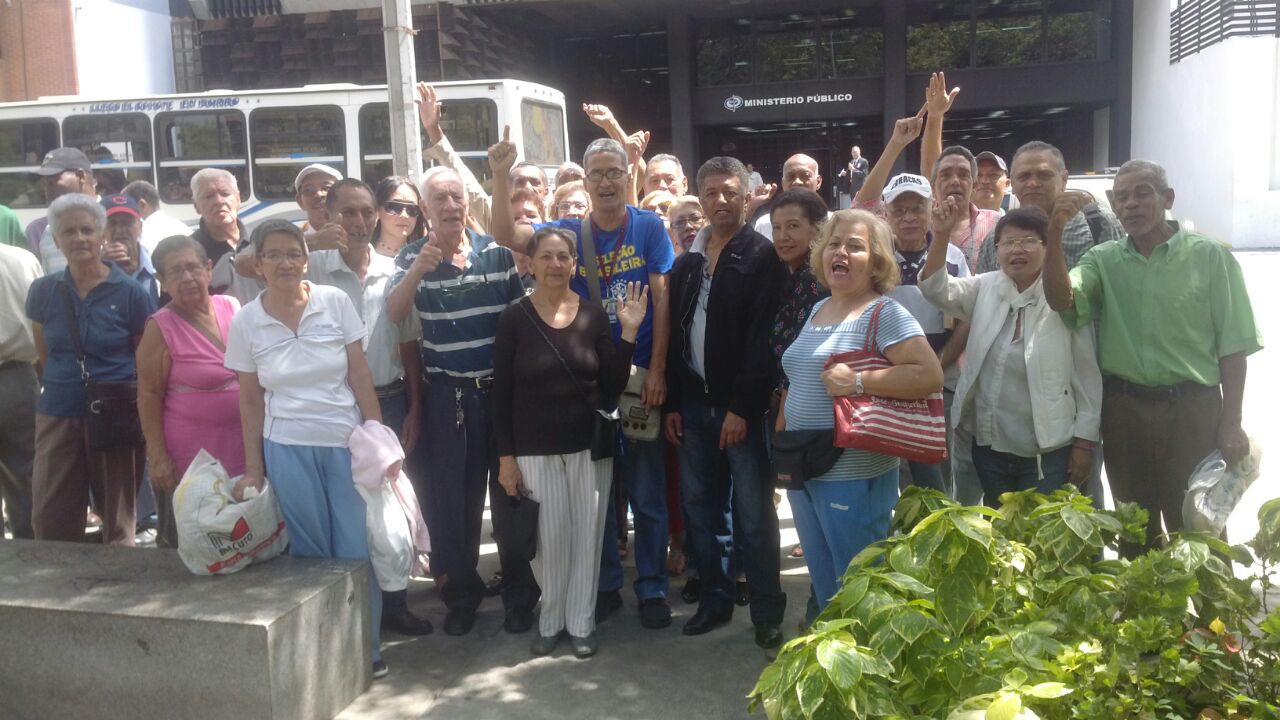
(799, 172)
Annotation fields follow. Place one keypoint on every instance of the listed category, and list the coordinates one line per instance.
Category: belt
(391, 389)
(479, 383)
(1119, 385)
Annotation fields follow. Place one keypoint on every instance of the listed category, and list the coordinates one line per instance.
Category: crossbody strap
(591, 261)
(586, 397)
(73, 327)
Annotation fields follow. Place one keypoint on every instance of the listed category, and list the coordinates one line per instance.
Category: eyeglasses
(1026, 241)
(595, 176)
(395, 207)
(693, 221)
(194, 269)
(314, 190)
(572, 206)
(293, 256)
(898, 211)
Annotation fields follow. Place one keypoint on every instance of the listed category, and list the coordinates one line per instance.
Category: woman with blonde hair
(570, 201)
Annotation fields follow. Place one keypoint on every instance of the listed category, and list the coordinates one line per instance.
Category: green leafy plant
(969, 613)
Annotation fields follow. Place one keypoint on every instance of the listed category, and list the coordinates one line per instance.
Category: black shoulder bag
(111, 418)
(604, 425)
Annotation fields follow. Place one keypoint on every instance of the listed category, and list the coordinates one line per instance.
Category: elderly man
(19, 388)
(123, 246)
(720, 372)
(216, 196)
(1039, 177)
(799, 171)
(630, 245)
(992, 182)
(664, 172)
(569, 171)
(458, 282)
(63, 170)
(156, 223)
(1175, 327)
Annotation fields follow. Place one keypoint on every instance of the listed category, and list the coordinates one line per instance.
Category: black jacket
(739, 365)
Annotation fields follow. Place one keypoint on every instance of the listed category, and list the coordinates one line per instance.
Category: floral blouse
(799, 291)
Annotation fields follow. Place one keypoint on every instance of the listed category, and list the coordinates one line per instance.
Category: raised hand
(632, 308)
(329, 237)
(636, 144)
(1067, 205)
(906, 130)
(430, 257)
(946, 215)
(937, 100)
(600, 115)
(502, 154)
(758, 197)
(429, 111)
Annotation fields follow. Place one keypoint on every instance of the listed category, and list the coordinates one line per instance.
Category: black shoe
(655, 613)
(493, 588)
(692, 591)
(768, 636)
(380, 669)
(706, 620)
(743, 598)
(459, 621)
(519, 620)
(607, 603)
(400, 620)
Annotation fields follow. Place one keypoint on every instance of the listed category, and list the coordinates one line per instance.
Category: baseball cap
(988, 155)
(906, 183)
(121, 203)
(315, 168)
(60, 160)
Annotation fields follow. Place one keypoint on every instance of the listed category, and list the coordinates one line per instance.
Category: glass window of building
(287, 139)
(1009, 33)
(23, 144)
(118, 145)
(938, 35)
(471, 126)
(786, 48)
(851, 43)
(186, 142)
(724, 53)
(1071, 33)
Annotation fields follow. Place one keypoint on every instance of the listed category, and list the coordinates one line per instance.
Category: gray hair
(667, 157)
(175, 244)
(72, 202)
(1157, 172)
(272, 227)
(143, 191)
(724, 165)
(605, 145)
(431, 174)
(208, 175)
(1040, 146)
(963, 152)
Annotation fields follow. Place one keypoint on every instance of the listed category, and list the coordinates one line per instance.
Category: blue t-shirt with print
(646, 248)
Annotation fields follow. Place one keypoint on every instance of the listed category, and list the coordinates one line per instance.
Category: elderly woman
(544, 427)
(400, 219)
(570, 201)
(90, 308)
(684, 220)
(187, 398)
(839, 513)
(304, 387)
(1030, 391)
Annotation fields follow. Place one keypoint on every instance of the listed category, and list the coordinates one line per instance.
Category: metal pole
(402, 73)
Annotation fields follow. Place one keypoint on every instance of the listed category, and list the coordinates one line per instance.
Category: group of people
(494, 330)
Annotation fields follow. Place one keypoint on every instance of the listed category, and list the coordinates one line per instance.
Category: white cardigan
(1062, 366)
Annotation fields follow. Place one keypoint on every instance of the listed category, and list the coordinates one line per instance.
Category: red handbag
(910, 429)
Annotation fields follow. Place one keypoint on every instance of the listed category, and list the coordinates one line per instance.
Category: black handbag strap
(586, 397)
(73, 327)
(591, 261)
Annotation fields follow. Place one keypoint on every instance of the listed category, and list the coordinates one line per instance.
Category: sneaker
(459, 621)
(584, 647)
(655, 613)
(606, 603)
(380, 669)
(543, 645)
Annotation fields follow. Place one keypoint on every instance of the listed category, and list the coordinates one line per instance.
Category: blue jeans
(643, 476)
(1001, 472)
(836, 519)
(710, 477)
(323, 513)
(928, 476)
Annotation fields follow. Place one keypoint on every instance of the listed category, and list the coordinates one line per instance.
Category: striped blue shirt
(459, 309)
(809, 407)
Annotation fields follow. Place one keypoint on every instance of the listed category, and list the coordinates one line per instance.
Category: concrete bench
(89, 631)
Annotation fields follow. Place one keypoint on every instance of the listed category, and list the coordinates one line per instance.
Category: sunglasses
(393, 207)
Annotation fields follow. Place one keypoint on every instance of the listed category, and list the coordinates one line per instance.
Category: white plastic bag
(1214, 490)
(390, 542)
(216, 534)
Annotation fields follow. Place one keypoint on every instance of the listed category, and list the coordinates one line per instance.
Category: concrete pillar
(680, 60)
(1122, 57)
(895, 70)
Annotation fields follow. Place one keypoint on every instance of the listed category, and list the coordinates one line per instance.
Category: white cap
(315, 168)
(906, 183)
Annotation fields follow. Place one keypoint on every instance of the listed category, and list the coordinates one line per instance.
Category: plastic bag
(1214, 490)
(390, 541)
(216, 534)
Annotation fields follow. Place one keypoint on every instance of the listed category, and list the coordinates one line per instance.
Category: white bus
(263, 137)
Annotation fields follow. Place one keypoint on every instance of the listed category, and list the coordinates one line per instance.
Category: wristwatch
(857, 383)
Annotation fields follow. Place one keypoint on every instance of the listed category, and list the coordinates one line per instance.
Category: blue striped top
(459, 309)
(809, 407)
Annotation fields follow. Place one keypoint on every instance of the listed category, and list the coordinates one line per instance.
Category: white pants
(573, 494)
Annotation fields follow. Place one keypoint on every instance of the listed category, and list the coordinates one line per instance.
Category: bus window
(543, 133)
(287, 139)
(23, 144)
(119, 146)
(470, 125)
(188, 142)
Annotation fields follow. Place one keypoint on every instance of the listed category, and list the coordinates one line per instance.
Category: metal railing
(1197, 24)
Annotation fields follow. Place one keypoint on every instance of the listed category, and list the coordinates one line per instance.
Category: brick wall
(37, 49)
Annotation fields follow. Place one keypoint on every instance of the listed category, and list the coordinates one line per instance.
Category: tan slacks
(66, 471)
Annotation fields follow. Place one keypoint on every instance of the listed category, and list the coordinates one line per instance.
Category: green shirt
(1166, 319)
(11, 229)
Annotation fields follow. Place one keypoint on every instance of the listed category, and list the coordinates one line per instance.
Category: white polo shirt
(382, 342)
(308, 399)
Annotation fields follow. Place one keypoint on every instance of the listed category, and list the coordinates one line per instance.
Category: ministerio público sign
(734, 103)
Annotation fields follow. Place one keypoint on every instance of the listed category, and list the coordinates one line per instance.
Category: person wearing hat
(123, 246)
(63, 170)
(310, 188)
(992, 183)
